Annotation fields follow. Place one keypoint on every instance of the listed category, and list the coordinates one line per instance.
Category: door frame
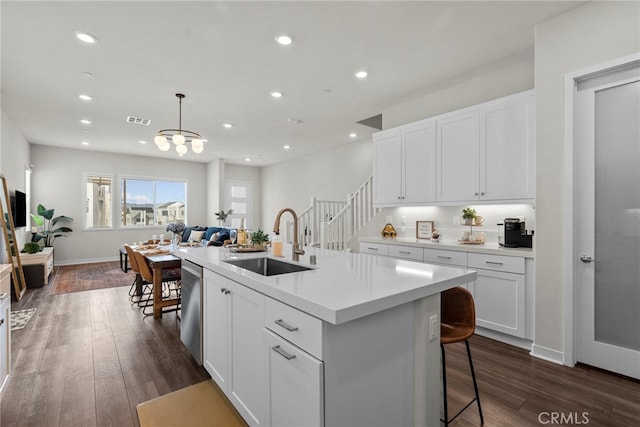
(571, 81)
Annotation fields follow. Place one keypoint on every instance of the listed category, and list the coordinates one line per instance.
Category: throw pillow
(195, 236)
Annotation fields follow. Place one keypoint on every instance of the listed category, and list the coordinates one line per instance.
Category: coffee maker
(516, 235)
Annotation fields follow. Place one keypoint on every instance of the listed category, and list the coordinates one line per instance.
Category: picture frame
(424, 229)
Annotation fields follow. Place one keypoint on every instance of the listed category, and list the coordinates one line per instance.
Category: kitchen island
(353, 340)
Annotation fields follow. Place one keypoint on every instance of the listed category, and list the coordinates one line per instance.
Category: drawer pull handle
(405, 252)
(493, 262)
(444, 257)
(283, 353)
(372, 249)
(289, 328)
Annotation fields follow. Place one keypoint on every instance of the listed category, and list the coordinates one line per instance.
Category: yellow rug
(202, 404)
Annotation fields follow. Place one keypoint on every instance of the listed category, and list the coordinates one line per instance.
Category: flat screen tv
(19, 208)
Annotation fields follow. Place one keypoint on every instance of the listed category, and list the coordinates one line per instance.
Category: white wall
(591, 34)
(327, 175)
(57, 183)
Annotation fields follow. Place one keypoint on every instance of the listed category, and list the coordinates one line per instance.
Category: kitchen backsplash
(404, 219)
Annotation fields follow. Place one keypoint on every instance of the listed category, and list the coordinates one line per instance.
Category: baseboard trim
(507, 339)
(548, 354)
(85, 261)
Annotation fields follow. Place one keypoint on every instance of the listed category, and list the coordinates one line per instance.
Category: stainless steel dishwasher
(191, 312)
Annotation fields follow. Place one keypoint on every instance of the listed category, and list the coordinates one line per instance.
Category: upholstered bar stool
(458, 324)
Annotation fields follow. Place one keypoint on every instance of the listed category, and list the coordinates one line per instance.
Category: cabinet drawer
(407, 252)
(301, 329)
(439, 256)
(374, 248)
(509, 264)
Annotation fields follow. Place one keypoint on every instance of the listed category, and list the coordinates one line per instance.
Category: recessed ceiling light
(85, 121)
(227, 125)
(284, 39)
(142, 141)
(362, 74)
(85, 97)
(286, 147)
(295, 121)
(247, 159)
(204, 140)
(86, 37)
(276, 94)
(84, 143)
(86, 74)
(353, 135)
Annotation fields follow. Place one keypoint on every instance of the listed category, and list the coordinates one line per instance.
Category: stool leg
(475, 383)
(444, 386)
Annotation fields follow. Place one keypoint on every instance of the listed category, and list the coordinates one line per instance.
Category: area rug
(20, 318)
(199, 405)
(87, 277)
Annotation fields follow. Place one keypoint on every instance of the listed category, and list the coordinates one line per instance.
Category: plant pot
(467, 221)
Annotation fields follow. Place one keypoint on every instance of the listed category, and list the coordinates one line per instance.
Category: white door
(608, 222)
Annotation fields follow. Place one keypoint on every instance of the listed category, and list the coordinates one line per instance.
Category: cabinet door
(507, 148)
(419, 163)
(500, 302)
(247, 353)
(295, 384)
(457, 162)
(387, 167)
(5, 340)
(216, 327)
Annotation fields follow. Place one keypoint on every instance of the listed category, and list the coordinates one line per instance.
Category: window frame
(155, 179)
(85, 177)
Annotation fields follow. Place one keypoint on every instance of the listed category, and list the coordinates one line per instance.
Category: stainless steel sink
(267, 266)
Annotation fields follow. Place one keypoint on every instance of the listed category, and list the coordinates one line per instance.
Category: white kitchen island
(354, 341)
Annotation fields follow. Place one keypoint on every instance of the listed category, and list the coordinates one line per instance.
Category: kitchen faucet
(297, 250)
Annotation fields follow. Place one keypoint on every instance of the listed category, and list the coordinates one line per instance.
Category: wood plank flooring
(88, 358)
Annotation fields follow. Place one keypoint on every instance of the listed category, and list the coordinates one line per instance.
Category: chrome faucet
(297, 250)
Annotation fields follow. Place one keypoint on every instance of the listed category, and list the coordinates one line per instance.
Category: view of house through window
(151, 202)
(98, 211)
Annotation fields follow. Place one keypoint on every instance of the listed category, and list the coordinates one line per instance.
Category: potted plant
(468, 215)
(222, 215)
(259, 238)
(31, 248)
(50, 227)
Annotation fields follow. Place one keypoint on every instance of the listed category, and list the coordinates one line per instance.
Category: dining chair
(170, 282)
(139, 287)
(458, 314)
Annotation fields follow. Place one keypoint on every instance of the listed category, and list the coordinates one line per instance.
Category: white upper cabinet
(458, 154)
(404, 164)
(482, 153)
(507, 155)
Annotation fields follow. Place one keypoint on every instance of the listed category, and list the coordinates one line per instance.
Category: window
(238, 198)
(99, 203)
(150, 202)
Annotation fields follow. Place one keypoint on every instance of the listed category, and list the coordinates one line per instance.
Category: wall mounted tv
(19, 208)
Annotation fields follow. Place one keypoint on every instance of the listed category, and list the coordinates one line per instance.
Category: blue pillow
(224, 235)
(210, 231)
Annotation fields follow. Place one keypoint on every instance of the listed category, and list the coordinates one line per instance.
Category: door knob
(588, 259)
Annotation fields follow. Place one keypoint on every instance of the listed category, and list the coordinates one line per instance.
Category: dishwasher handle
(192, 268)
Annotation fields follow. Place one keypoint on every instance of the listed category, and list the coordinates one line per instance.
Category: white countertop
(453, 245)
(342, 286)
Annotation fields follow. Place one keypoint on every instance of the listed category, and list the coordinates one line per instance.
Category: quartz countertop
(453, 245)
(342, 286)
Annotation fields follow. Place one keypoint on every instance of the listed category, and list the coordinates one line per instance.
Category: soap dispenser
(276, 245)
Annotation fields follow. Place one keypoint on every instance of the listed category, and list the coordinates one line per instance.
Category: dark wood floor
(88, 358)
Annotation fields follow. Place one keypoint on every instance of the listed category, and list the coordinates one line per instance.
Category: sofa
(216, 236)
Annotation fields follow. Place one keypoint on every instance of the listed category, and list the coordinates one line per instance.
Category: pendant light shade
(179, 136)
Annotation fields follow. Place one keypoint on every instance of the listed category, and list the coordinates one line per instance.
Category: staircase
(333, 224)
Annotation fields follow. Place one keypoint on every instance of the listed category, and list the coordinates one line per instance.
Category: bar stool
(458, 314)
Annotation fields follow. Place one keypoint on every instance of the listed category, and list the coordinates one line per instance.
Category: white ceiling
(223, 56)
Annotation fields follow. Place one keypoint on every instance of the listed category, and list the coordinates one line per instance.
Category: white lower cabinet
(499, 293)
(234, 354)
(295, 384)
(5, 339)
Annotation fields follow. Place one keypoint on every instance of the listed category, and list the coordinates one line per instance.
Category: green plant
(259, 237)
(222, 215)
(31, 248)
(468, 213)
(50, 227)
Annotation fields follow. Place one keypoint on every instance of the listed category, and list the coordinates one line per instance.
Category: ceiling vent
(138, 121)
